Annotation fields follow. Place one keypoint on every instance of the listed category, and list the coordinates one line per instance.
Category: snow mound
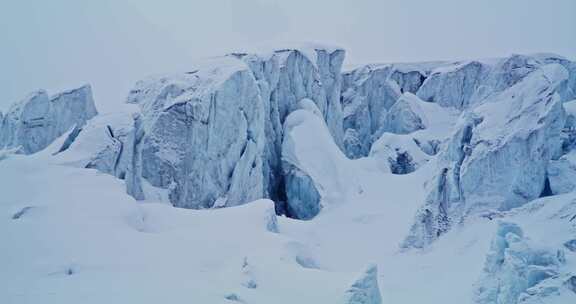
(311, 163)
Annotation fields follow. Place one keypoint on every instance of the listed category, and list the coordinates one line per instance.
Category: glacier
(498, 155)
(211, 119)
(525, 264)
(226, 117)
(453, 181)
(405, 116)
(31, 124)
(370, 91)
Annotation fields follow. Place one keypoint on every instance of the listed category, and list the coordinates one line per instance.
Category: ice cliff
(220, 134)
(518, 271)
(529, 260)
(212, 137)
(370, 91)
(31, 124)
(498, 156)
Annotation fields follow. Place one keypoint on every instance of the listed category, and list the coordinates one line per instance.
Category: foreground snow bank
(73, 235)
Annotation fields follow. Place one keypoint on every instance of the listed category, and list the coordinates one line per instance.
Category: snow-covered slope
(73, 235)
(399, 183)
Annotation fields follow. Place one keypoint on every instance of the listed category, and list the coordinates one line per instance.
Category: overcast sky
(110, 44)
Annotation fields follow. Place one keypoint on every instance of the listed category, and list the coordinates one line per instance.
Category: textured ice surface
(398, 154)
(406, 115)
(201, 136)
(527, 261)
(497, 158)
(517, 271)
(368, 92)
(561, 174)
(212, 137)
(463, 84)
(453, 86)
(33, 123)
(365, 289)
(285, 77)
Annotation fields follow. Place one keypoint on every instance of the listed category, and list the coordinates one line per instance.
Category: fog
(61, 44)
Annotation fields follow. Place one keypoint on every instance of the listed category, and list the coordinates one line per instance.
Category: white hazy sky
(110, 44)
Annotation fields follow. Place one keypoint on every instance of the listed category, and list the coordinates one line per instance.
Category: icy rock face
(569, 131)
(285, 77)
(463, 84)
(367, 95)
(212, 137)
(518, 271)
(428, 146)
(408, 79)
(571, 245)
(568, 90)
(352, 145)
(497, 158)
(303, 199)
(405, 116)
(36, 121)
(398, 154)
(201, 136)
(365, 289)
(561, 174)
(453, 86)
(369, 92)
